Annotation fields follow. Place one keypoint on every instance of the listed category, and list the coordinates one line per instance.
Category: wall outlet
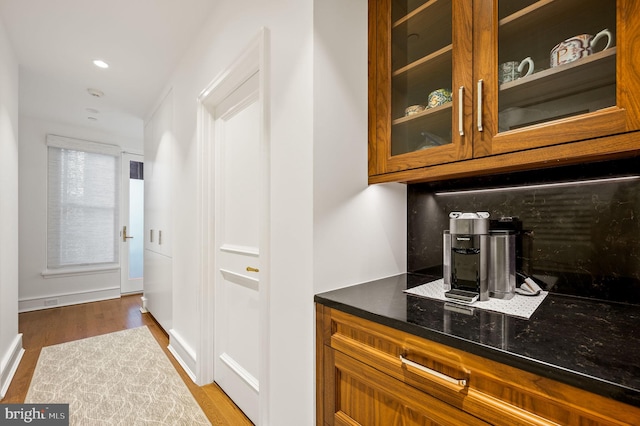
(50, 302)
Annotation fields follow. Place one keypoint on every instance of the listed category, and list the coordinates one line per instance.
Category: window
(83, 203)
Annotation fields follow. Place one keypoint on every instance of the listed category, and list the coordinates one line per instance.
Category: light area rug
(121, 378)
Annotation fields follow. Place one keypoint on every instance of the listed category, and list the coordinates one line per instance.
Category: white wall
(34, 289)
(359, 231)
(10, 341)
(231, 27)
(327, 228)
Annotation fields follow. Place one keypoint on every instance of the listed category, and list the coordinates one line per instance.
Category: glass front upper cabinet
(424, 71)
(421, 96)
(451, 81)
(556, 59)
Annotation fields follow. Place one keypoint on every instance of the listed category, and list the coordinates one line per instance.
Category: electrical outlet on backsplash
(582, 223)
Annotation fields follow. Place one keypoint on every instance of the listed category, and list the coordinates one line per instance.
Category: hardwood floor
(58, 325)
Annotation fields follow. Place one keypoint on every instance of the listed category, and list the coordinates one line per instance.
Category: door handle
(250, 269)
(480, 126)
(124, 234)
(460, 110)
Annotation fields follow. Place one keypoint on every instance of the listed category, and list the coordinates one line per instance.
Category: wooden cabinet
(578, 103)
(369, 374)
(366, 396)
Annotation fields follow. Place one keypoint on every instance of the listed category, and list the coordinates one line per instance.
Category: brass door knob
(250, 269)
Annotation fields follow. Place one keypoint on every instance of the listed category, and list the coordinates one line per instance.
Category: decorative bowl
(439, 97)
(413, 109)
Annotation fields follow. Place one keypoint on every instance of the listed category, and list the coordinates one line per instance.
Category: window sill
(70, 272)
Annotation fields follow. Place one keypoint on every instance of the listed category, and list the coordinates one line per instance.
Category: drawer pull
(452, 380)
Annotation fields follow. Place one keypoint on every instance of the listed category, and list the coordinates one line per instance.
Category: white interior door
(132, 229)
(237, 128)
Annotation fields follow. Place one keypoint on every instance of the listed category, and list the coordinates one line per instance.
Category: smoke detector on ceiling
(95, 92)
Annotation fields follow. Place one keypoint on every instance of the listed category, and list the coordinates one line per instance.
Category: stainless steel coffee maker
(478, 262)
(468, 255)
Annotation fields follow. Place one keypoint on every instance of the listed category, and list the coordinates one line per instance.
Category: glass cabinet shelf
(421, 63)
(414, 35)
(533, 30)
(416, 80)
(592, 72)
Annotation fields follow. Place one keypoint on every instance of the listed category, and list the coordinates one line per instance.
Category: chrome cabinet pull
(452, 380)
(480, 83)
(150, 235)
(159, 238)
(460, 110)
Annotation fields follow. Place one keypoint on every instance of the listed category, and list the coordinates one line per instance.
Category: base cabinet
(158, 270)
(365, 396)
(369, 374)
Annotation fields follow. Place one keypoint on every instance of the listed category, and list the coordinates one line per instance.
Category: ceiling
(55, 42)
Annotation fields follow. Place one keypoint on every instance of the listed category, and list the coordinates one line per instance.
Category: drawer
(495, 392)
(368, 397)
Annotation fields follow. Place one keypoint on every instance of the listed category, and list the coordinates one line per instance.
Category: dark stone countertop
(586, 343)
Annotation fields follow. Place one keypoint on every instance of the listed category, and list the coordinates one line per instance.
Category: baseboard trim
(58, 300)
(9, 364)
(183, 353)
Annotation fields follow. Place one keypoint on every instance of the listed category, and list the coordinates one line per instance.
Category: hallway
(58, 325)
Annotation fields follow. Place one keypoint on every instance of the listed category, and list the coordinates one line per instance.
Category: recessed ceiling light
(100, 63)
(95, 92)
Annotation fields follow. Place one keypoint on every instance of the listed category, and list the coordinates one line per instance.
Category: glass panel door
(556, 59)
(136, 220)
(421, 75)
(132, 225)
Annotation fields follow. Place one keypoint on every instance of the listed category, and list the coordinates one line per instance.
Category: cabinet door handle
(150, 235)
(460, 110)
(480, 83)
(159, 238)
(452, 380)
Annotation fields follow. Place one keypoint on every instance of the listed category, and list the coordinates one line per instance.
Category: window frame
(65, 143)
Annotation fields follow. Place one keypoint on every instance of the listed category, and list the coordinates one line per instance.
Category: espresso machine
(478, 262)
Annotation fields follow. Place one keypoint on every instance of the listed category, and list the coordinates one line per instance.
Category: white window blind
(83, 203)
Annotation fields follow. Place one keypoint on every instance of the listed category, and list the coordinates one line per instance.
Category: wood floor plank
(64, 324)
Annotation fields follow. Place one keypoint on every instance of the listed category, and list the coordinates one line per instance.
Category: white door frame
(252, 60)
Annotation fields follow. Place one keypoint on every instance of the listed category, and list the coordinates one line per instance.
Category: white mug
(577, 47)
(512, 70)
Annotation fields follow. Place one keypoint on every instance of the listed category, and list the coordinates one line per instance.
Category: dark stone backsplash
(581, 239)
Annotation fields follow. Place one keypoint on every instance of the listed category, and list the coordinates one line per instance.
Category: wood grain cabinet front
(369, 374)
(365, 396)
(471, 86)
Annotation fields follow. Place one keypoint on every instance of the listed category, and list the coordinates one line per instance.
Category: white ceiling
(56, 41)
